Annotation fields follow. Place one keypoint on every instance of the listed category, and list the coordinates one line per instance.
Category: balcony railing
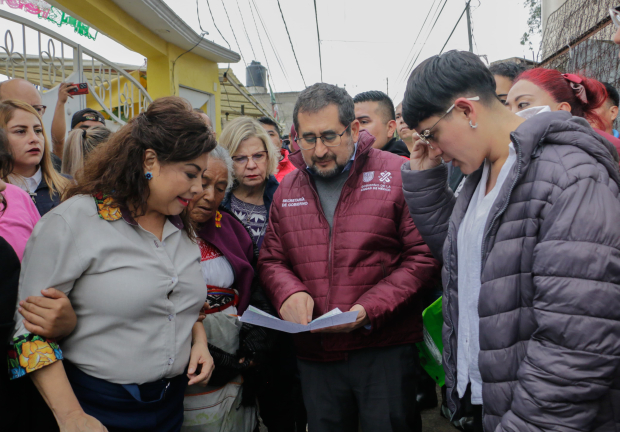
(118, 92)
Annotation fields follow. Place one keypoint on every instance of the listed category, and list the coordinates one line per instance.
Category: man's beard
(335, 171)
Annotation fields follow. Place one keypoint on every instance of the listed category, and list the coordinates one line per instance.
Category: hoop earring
(148, 175)
(473, 126)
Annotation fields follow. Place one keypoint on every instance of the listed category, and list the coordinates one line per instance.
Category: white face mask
(531, 112)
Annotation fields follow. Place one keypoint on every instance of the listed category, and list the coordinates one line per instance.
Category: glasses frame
(320, 137)
(248, 158)
(425, 134)
(614, 13)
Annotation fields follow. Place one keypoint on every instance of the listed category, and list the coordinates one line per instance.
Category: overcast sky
(363, 42)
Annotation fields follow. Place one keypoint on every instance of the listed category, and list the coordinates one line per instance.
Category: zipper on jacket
(329, 239)
(449, 319)
(506, 202)
(383, 270)
(498, 214)
(330, 267)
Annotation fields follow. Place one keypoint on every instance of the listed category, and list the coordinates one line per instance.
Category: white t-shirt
(469, 249)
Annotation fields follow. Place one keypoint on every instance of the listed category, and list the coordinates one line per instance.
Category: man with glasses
(340, 236)
(22, 90)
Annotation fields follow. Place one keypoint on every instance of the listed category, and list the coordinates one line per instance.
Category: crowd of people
(127, 258)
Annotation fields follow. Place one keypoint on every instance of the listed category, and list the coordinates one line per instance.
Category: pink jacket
(375, 256)
(19, 218)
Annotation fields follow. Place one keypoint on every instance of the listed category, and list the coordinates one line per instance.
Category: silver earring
(473, 126)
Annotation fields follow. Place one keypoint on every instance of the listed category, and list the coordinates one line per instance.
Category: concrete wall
(286, 104)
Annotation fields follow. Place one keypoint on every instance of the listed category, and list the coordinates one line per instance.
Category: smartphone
(82, 88)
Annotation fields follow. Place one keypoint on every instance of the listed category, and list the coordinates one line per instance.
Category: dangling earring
(148, 175)
(473, 126)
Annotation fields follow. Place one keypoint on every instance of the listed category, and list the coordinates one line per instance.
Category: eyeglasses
(256, 157)
(615, 16)
(40, 109)
(329, 140)
(426, 135)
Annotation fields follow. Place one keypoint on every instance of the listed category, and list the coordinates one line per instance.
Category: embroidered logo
(294, 202)
(368, 176)
(385, 177)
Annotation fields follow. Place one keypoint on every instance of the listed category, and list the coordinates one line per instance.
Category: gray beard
(335, 171)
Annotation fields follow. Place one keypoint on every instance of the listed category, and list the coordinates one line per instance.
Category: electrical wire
(273, 48)
(318, 36)
(291, 42)
(261, 43)
(174, 63)
(233, 32)
(412, 64)
(246, 30)
(198, 14)
(455, 26)
(415, 41)
(218, 30)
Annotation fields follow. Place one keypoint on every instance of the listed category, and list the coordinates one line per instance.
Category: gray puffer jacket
(549, 303)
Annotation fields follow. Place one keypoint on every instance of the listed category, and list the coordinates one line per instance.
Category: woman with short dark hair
(122, 247)
(530, 251)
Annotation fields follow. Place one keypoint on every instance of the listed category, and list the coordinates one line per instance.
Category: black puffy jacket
(549, 304)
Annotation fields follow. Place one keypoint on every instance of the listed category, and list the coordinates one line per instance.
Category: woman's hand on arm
(52, 383)
(50, 316)
(200, 361)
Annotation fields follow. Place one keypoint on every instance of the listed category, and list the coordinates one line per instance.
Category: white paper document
(332, 318)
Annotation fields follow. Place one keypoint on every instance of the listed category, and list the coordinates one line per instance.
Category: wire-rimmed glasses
(426, 135)
(328, 139)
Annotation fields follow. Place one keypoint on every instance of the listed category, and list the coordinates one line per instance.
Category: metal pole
(469, 35)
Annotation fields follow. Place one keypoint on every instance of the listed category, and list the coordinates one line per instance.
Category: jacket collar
(364, 144)
(397, 147)
(560, 127)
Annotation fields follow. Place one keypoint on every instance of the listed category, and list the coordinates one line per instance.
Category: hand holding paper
(360, 321)
(334, 317)
(298, 308)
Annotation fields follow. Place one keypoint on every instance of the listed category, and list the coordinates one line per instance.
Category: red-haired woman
(540, 88)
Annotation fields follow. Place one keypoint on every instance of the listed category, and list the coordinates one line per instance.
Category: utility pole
(387, 86)
(469, 34)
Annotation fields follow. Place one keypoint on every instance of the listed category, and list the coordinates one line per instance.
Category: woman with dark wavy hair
(124, 252)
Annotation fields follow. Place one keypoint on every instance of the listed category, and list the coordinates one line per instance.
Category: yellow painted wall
(191, 70)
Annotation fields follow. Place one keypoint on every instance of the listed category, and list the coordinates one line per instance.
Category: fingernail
(191, 370)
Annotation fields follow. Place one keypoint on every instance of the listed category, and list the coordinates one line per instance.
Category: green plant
(533, 22)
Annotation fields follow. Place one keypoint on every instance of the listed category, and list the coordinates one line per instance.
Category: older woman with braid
(228, 257)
